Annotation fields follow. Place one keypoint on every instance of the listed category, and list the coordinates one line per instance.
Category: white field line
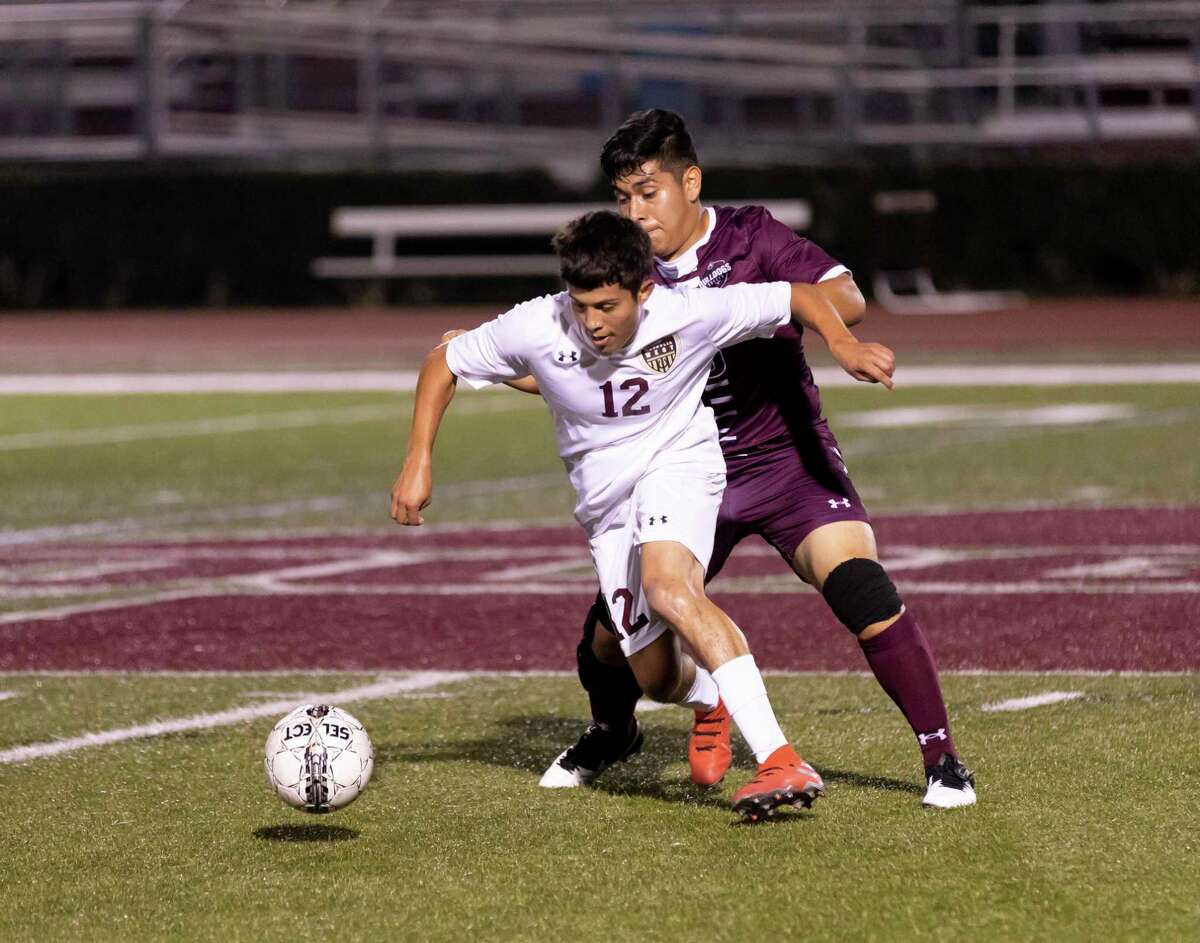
(128, 602)
(647, 706)
(35, 535)
(254, 422)
(1035, 700)
(265, 585)
(237, 715)
(405, 381)
(272, 581)
(283, 509)
(9, 695)
(424, 680)
(1062, 414)
(568, 558)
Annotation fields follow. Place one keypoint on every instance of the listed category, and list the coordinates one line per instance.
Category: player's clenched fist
(411, 492)
(871, 363)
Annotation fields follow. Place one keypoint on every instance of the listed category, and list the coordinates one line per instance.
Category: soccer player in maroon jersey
(787, 481)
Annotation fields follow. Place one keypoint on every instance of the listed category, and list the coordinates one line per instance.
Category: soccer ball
(318, 758)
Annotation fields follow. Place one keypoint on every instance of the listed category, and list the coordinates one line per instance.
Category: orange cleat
(709, 752)
(782, 779)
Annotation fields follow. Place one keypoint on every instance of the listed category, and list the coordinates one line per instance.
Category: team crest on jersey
(660, 355)
(717, 274)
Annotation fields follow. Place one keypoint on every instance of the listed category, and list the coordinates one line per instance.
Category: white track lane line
(1107, 374)
(380, 689)
(1034, 700)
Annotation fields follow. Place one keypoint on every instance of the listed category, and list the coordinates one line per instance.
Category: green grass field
(1151, 458)
(1084, 828)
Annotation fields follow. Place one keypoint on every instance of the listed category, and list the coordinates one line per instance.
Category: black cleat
(950, 784)
(590, 756)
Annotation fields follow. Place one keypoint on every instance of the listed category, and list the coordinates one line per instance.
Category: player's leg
(841, 561)
(675, 513)
(613, 692)
(649, 652)
(612, 689)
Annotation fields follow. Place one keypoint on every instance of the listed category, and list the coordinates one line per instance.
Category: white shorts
(675, 503)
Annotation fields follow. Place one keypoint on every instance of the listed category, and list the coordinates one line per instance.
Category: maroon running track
(1033, 590)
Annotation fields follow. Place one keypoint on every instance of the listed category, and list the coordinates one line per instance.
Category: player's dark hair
(603, 248)
(654, 134)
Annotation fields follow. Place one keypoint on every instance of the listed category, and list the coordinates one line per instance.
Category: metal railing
(494, 84)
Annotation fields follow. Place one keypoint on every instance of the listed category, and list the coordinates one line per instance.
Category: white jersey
(617, 416)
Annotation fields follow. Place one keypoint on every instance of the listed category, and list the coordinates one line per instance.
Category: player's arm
(844, 295)
(413, 488)
(787, 257)
(871, 363)
(524, 384)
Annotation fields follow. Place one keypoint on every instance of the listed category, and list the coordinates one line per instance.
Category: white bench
(911, 290)
(383, 225)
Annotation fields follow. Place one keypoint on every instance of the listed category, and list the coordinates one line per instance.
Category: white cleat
(950, 785)
(563, 774)
(590, 756)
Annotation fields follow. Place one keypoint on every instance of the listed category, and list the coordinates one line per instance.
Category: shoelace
(764, 773)
(952, 776)
(697, 732)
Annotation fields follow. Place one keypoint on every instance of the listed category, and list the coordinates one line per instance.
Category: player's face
(665, 206)
(609, 314)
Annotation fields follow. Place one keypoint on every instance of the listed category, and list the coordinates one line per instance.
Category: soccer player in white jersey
(622, 365)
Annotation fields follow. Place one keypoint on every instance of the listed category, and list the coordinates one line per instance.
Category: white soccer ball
(319, 758)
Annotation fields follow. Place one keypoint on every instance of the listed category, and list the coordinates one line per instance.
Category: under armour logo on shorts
(661, 520)
(836, 503)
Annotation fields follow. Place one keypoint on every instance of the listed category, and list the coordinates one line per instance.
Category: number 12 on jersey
(637, 386)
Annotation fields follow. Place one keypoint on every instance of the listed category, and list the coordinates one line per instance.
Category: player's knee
(671, 600)
(860, 593)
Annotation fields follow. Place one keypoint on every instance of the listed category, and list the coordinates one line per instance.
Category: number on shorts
(623, 595)
(628, 409)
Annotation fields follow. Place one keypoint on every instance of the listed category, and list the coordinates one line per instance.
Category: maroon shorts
(785, 494)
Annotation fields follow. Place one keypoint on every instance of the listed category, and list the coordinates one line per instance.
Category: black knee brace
(860, 594)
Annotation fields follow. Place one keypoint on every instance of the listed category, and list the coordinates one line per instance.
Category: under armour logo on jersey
(567, 356)
(836, 503)
(926, 738)
(661, 519)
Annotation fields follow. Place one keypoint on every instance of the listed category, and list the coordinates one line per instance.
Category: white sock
(703, 694)
(745, 698)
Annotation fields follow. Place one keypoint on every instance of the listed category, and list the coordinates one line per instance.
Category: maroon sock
(903, 665)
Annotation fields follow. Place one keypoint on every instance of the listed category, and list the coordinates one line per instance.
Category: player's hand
(412, 492)
(450, 335)
(871, 363)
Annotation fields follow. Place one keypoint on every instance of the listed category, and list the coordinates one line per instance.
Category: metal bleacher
(487, 84)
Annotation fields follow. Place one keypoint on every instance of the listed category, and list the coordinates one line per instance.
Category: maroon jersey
(761, 391)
